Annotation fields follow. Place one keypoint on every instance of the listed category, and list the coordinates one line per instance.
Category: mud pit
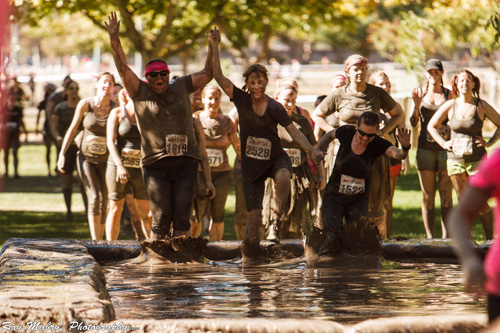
(341, 293)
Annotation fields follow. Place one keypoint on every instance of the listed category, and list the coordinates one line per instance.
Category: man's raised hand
(113, 26)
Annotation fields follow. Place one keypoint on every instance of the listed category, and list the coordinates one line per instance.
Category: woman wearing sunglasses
(349, 102)
(170, 153)
(346, 193)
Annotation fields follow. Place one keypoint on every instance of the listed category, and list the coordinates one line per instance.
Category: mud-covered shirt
(260, 143)
(463, 131)
(297, 155)
(351, 172)
(94, 146)
(65, 114)
(166, 121)
(217, 141)
(128, 143)
(351, 105)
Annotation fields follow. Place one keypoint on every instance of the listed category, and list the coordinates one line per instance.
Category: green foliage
(444, 28)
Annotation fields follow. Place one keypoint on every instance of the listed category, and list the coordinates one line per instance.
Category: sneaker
(273, 234)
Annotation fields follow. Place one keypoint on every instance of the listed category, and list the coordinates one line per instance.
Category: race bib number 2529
(258, 148)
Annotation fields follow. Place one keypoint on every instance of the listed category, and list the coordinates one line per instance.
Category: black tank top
(427, 110)
(463, 132)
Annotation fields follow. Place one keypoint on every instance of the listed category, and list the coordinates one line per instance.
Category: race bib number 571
(258, 148)
(176, 144)
(351, 186)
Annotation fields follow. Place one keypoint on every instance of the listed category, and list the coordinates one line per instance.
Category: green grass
(33, 205)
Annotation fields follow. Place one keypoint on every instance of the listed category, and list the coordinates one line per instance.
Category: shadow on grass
(32, 184)
(16, 224)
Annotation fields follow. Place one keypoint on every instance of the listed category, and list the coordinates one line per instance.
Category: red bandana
(156, 67)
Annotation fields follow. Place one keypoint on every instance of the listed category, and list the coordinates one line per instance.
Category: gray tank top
(94, 135)
(463, 132)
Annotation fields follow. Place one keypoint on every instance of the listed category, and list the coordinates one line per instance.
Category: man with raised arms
(169, 150)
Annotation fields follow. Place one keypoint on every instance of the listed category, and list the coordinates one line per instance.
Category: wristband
(406, 148)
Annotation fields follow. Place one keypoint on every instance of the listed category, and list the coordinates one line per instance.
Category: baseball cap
(433, 64)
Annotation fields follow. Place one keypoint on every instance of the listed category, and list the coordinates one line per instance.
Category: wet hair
(369, 118)
(258, 69)
(104, 74)
(280, 89)
(319, 99)
(354, 59)
(288, 81)
(210, 88)
(475, 79)
(70, 81)
(376, 74)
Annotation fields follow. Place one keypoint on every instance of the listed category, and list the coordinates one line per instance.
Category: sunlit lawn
(33, 205)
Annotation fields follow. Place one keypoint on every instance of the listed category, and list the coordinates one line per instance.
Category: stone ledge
(51, 280)
(421, 249)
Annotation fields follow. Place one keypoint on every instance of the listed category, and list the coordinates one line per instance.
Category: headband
(156, 66)
(355, 62)
(338, 77)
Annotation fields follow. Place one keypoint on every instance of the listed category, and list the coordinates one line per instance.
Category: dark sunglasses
(73, 88)
(155, 74)
(371, 135)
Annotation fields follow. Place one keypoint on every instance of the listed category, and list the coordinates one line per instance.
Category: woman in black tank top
(431, 158)
(466, 146)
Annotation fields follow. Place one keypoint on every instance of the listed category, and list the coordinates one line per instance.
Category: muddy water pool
(345, 289)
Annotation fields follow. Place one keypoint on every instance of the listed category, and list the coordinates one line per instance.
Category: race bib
(462, 146)
(96, 144)
(215, 157)
(444, 131)
(258, 148)
(176, 144)
(131, 158)
(351, 186)
(294, 155)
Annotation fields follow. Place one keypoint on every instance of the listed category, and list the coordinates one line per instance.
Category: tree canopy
(404, 31)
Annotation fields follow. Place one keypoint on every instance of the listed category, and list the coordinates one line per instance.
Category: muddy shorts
(336, 206)
(254, 192)
(215, 207)
(117, 190)
(456, 168)
(432, 160)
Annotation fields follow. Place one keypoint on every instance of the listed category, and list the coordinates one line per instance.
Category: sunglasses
(162, 73)
(371, 135)
(73, 88)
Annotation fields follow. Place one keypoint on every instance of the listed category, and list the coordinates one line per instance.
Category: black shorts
(254, 192)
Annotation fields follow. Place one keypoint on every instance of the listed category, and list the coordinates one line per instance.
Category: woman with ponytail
(465, 116)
